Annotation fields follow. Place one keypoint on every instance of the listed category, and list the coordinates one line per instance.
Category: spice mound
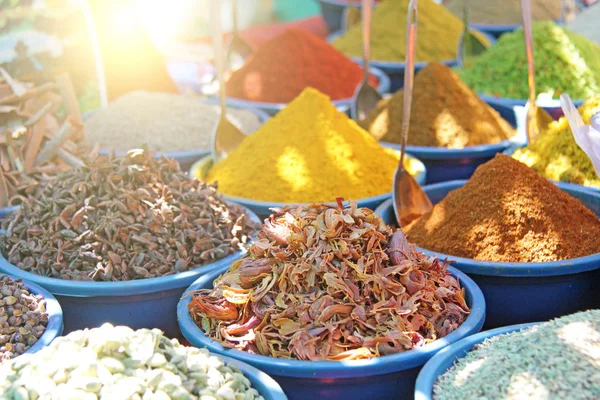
(292, 61)
(506, 212)
(163, 122)
(330, 283)
(569, 63)
(23, 318)
(388, 33)
(558, 359)
(117, 219)
(445, 113)
(120, 363)
(308, 152)
(488, 12)
(555, 155)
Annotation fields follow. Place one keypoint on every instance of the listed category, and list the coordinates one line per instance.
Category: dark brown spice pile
(507, 213)
(445, 113)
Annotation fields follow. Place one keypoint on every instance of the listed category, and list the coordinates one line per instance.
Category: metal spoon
(226, 136)
(365, 96)
(537, 118)
(410, 201)
(238, 50)
(469, 45)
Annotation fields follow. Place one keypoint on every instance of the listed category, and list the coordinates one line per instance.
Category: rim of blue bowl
(567, 185)
(54, 328)
(256, 204)
(64, 287)
(443, 360)
(509, 102)
(383, 87)
(266, 386)
(336, 369)
(190, 155)
(396, 66)
(512, 269)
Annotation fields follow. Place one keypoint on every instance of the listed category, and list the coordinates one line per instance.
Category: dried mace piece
(23, 318)
(330, 283)
(123, 218)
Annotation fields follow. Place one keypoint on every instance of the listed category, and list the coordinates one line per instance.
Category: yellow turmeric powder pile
(445, 113)
(308, 152)
(555, 155)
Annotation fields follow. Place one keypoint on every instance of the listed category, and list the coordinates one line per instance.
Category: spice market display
(330, 283)
(133, 265)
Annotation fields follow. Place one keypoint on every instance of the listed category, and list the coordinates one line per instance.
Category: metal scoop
(537, 118)
(469, 45)
(238, 50)
(410, 201)
(226, 137)
(365, 96)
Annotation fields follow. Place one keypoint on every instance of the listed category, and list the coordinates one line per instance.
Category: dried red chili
(292, 61)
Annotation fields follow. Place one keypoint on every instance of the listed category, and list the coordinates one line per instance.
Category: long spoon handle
(367, 8)
(409, 72)
(234, 16)
(528, 33)
(215, 8)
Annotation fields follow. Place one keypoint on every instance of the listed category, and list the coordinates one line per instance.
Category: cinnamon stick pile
(41, 135)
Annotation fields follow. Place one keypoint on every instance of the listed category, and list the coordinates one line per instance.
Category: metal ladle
(238, 50)
(469, 45)
(366, 96)
(410, 201)
(537, 118)
(226, 136)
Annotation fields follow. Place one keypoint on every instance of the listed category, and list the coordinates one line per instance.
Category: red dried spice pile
(506, 212)
(292, 61)
(330, 283)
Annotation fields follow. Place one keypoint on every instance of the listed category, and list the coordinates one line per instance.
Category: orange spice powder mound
(506, 212)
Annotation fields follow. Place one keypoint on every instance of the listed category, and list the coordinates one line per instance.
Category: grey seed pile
(559, 359)
(23, 318)
(164, 122)
(118, 363)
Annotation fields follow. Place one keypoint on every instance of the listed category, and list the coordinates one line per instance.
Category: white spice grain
(164, 122)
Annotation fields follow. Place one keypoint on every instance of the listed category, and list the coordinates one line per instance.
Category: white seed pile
(118, 363)
(559, 359)
(164, 122)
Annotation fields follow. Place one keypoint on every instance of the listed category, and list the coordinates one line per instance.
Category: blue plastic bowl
(143, 303)
(512, 149)
(395, 70)
(382, 378)
(342, 105)
(263, 208)
(188, 157)
(552, 107)
(55, 316)
(443, 360)
(445, 164)
(495, 30)
(519, 293)
(267, 387)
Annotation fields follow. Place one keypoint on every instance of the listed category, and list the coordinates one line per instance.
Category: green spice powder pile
(559, 359)
(565, 63)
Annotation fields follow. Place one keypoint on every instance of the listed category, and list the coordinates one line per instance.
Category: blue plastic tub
(495, 30)
(342, 105)
(380, 378)
(443, 360)
(266, 386)
(188, 157)
(143, 303)
(518, 293)
(512, 149)
(395, 70)
(445, 164)
(262, 208)
(551, 106)
(55, 316)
